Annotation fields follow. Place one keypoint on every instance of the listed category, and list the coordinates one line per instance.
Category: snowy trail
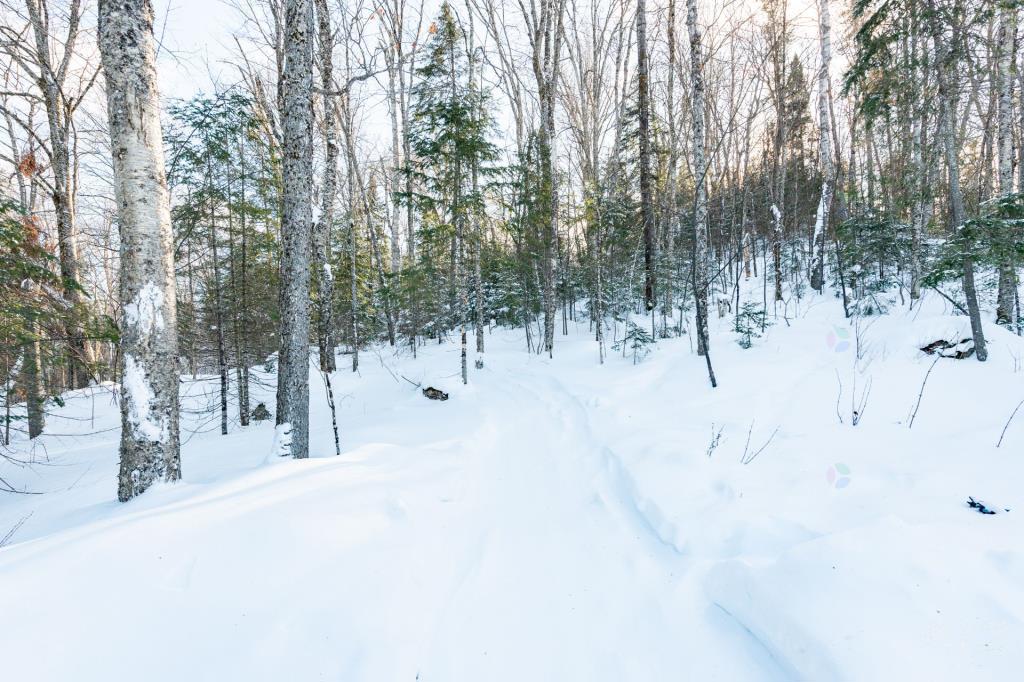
(508, 546)
(572, 582)
(555, 520)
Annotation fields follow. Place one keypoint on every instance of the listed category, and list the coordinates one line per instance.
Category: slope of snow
(554, 520)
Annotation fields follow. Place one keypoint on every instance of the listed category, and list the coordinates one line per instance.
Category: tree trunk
(779, 35)
(700, 205)
(149, 344)
(824, 148)
(292, 433)
(34, 402)
(396, 162)
(1006, 76)
(646, 199)
(546, 40)
(52, 78)
(240, 301)
(323, 276)
(478, 289)
(222, 358)
(918, 183)
(352, 238)
(944, 58)
(404, 87)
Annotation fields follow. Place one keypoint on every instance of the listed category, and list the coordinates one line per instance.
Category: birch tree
(777, 34)
(149, 386)
(1006, 68)
(700, 171)
(825, 160)
(545, 33)
(323, 275)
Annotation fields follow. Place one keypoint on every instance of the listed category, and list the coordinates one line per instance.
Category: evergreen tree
(449, 139)
(215, 165)
(32, 307)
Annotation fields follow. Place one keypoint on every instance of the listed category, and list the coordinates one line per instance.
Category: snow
(146, 310)
(282, 445)
(553, 520)
(146, 425)
(144, 313)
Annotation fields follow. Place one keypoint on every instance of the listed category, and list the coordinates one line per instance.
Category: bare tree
(323, 276)
(945, 54)
(292, 433)
(777, 33)
(644, 115)
(700, 171)
(149, 344)
(51, 61)
(821, 219)
(544, 29)
(1006, 67)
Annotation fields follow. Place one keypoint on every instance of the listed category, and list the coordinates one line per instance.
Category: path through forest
(553, 520)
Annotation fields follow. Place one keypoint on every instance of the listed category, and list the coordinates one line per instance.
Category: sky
(194, 41)
(195, 38)
(196, 50)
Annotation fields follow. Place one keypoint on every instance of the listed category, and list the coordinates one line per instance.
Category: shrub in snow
(261, 413)
(750, 322)
(636, 340)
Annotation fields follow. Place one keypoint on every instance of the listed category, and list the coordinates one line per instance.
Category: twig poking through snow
(1012, 415)
(7, 538)
(858, 410)
(716, 436)
(839, 397)
(748, 459)
(921, 395)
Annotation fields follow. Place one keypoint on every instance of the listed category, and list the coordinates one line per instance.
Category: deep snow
(554, 520)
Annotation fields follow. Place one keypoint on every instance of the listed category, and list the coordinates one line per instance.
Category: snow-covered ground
(554, 520)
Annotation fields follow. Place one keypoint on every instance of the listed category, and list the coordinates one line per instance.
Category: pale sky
(194, 38)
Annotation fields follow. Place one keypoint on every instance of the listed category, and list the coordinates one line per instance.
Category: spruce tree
(448, 136)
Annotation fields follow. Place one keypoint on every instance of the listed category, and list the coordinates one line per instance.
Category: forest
(698, 303)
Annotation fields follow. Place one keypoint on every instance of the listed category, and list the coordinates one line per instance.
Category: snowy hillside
(553, 520)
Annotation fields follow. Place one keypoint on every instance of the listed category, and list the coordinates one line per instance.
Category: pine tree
(212, 156)
(449, 140)
(31, 306)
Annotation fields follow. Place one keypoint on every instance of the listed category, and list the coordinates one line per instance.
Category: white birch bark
(821, 217)
(149, 344)
(545, 34)
(700, 202)
(394, 66)
(323, 274)
(1006, 68)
